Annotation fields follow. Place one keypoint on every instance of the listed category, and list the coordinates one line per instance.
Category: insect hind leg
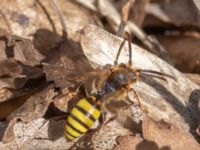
(101, 123)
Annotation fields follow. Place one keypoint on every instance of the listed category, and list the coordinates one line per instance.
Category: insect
(101, 87)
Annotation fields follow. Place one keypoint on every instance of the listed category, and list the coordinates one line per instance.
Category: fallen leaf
(185, 56)
(35, 107)
(175, 12)
(66, 63)
(194, 77)
(19, 49)
(171, 101)
(168, 136)
(15, 75)
(128, 142)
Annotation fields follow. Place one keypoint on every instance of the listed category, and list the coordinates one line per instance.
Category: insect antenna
(129, 48)
(119, 51)
(156, 74)
(128, 38)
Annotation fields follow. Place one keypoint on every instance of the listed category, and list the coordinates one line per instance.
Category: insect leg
(144, 109)
(101, 122)
(113, 111)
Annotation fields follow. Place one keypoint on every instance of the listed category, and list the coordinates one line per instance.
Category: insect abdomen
(82, 117)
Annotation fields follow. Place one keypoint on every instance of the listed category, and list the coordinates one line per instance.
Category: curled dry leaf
(176, 12)
(17, 61)
(168, 136)
(19, 49)
(14, 74)
(173, 101)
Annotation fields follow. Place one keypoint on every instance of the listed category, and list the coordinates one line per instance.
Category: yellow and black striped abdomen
(82, 117)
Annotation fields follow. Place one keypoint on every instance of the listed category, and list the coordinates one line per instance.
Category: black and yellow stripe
(82, 117)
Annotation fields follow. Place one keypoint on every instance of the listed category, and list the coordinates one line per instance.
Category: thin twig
(61, 16)
(47, 15)
(125, 13)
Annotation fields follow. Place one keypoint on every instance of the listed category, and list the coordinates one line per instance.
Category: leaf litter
(35, 72)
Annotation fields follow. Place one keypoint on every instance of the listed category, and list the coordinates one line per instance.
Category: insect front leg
(139, 104)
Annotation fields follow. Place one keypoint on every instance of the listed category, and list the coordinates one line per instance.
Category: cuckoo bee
(109, 84)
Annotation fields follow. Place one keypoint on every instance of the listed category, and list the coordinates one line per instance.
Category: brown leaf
(16, 99)
(184, 51)
(20, 49)
(66, 63)
(197, 4)
(176, 12)
(50, 134)
(15, 74)
(194, 77)
(35, 106)
(165, 135)
(38, 134)
(32, 16)
(173, 101)
(127, 142)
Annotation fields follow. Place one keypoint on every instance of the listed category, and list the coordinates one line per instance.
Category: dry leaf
(15, 74)
(18, 98)
(19, 49)
(40, 133)
(62, 65)
(197, 3)
(63, 60)
(173, 101)
(194, 77)
(168, 136)
(128, 142)
(34, 107)
(176, 12)
(185, 56)
(40, 14)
